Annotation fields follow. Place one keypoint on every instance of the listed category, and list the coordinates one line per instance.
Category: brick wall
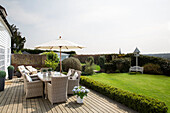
(34, 60)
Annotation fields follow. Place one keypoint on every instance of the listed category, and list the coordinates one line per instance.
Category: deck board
(12, 100)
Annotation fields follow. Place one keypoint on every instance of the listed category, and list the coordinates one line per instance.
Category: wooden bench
(136, 68)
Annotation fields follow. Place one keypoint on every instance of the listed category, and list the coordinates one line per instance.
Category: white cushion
(69, 72)
(75, 76)
(28, 78)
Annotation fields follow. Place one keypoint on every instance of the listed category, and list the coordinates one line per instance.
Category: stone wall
(34, 60)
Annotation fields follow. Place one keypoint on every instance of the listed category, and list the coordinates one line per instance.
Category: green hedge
(120, 64)
(142, 60)
(137, 102)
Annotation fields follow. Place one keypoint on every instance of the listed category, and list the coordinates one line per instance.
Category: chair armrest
(49, 87)
(34, 84)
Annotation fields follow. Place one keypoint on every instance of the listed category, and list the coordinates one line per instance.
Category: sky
(102, 26)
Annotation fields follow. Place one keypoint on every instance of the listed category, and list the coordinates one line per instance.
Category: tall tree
(17, 41)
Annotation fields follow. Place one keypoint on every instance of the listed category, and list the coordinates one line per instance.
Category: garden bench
(136, 68)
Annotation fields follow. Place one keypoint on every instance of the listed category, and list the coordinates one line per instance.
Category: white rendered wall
(5, 48)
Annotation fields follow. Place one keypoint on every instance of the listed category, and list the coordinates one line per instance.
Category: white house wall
(5, 48)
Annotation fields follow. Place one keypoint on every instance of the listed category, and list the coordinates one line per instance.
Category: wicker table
(47, 78)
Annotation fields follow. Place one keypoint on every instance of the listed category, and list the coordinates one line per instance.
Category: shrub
(2, 74)
(52, 60)
(142, 60)
(89, 69)
(90, 59)
(121, 64)
(140, 103)
(109, 67)
(102, 62)
(71, 62)
(117, 71)
(10, 67)
(152, 68)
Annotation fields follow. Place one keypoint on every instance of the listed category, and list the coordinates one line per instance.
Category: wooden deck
(12, 100)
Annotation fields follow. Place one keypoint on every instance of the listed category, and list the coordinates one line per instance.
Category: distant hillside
(163, 55)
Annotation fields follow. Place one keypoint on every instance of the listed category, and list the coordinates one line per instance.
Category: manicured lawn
(156, 86)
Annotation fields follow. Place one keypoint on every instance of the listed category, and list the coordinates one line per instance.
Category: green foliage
(102, 61)
(72, 63)
(2, 74)
(140, 103)
(90, 60)
(17, 39)
(88, 69)
(52, 60)
(121, 64)
(142, 60)
(80, 91)
(152, 68)
(44, 70)
(10, 67)
(49, 69)
(117, 71)
(17, 52)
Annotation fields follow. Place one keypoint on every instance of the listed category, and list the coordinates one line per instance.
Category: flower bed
(137, 102)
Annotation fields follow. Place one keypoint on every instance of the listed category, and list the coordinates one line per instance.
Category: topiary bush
(72, 63)
(2, 74)
(90, 59)
(152, 69)
(89, 70)
(10, 67)
(139, 103)
(102, 61)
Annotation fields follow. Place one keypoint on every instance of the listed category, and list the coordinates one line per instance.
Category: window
(2, 58)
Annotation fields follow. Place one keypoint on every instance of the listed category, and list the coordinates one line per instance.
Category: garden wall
(34, 60)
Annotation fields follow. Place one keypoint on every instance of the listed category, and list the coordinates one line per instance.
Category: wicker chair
(72, 83)
(31, 69)
(57, 89)
(34, 88)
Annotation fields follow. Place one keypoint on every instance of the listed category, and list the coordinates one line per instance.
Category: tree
(52, 60)
(17, 41)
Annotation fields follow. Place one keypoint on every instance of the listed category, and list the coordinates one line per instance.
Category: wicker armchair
(72, 83)
(57, 89)
(31, 69)
(33, 89)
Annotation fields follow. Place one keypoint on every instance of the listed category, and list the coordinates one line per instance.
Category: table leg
(45, 91)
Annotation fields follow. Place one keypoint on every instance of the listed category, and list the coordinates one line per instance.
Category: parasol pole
(60, 57)
(60, 60)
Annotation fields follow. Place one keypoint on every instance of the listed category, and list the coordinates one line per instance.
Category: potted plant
(44, 71)
(2, 80)
(49, 71)
(80, 91)
(10, 72)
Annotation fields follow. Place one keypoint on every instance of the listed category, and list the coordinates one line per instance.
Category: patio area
(12, 100)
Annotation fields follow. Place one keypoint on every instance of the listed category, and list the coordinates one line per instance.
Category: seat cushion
(75, 76)
(28, 78)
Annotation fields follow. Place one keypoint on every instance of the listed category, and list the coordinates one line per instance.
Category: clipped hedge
(121, 64)
(140, 103)
(143, 59)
